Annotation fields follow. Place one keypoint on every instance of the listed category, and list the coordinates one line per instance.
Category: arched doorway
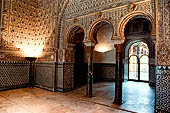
(101, 33)
(139, 62)
(75, 42)
(138, 32)
(138, 55)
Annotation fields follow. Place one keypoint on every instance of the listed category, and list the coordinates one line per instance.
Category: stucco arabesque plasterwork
(162, 32)
(28, 23)
(117, 15)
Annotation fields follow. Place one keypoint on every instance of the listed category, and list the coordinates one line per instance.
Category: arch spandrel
(93, 26)
(69, 30)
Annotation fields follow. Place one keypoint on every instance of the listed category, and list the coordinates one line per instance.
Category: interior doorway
(75, 41)
(139, 62)
(139, 54)
(139, 50)
(80, 67)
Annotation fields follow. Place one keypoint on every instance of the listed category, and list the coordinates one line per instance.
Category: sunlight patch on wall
(104, 35)
(103, 47)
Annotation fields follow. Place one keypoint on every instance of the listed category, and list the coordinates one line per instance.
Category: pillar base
(118, 102)
(89, 96)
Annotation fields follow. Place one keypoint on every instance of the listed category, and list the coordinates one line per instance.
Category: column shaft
(118, 78)
(89, 88)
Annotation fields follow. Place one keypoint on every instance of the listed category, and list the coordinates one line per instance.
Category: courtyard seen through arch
(139, 62)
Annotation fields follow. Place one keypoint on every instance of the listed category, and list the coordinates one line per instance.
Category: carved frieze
(113, 14)
(84, 7)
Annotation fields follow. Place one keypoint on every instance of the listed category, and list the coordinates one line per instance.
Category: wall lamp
(31, 70)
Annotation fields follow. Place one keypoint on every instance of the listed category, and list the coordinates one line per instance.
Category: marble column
(89, 87)
(118, 78)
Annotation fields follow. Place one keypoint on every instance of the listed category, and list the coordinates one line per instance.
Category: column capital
(88, 43)
(119, 47)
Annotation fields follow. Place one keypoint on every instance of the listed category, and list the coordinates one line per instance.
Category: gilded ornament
(133, 6)
(100, 14)
(75, 20)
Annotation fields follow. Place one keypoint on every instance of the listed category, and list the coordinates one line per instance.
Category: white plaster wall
(104, 35)
(107, 57)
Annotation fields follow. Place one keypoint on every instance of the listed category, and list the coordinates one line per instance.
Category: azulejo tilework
(165, 70)
(13, 74)
(162, 89)
(68, 76)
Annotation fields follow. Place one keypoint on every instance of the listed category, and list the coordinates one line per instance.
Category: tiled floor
(137, 96)
(35, 100)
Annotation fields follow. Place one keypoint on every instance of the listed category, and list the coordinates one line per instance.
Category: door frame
(138, 62)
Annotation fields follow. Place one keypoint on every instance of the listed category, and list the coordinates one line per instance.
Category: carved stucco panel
(28, 23)
(163, 40)
(112, 14)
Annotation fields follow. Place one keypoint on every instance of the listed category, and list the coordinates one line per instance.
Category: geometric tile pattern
(83, 7)
(103, 71)
(45, 75)
(86, 15)
(162, 89)
(59, 76)
(163, 70)
(65, 74)
(158, 111)
(13, 74)
(68, 76)
(65, 77)
(28, 23)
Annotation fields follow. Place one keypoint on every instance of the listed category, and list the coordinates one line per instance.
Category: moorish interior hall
(84, 56)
